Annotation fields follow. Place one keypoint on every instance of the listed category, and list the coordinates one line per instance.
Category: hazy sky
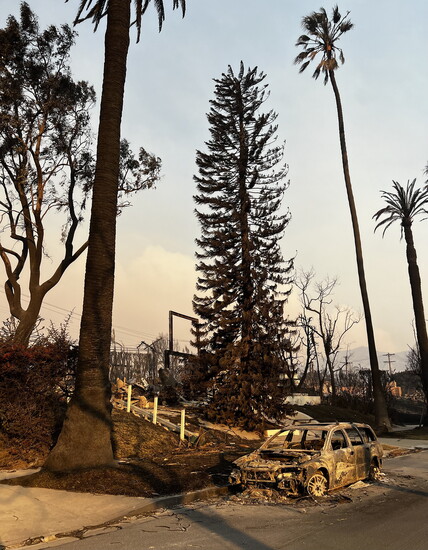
(383, 84)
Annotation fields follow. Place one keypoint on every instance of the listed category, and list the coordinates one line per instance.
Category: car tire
(317, 485)
(374, 471)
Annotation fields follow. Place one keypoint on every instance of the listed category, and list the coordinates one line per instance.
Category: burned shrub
(34, 386)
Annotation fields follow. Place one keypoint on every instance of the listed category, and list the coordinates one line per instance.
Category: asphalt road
(388, 515)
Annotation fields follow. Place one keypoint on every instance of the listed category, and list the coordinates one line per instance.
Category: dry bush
(34, 387)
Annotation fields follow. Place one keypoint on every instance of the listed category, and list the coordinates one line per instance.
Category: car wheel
(374, 472)
(317, 485)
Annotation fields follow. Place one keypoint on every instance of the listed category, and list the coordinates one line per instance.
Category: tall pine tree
(243, 280)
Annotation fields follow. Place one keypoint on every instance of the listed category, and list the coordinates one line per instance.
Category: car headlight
(286, 475)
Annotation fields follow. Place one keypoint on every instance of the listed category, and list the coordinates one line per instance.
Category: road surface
(390, 515)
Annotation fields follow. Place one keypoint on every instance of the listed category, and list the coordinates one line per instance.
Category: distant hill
(358, 358)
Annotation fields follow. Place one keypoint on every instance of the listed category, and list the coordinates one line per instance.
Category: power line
(75, 315)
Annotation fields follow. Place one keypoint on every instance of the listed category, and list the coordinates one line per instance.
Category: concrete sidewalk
(405, 443)
(31, 515)
(28, 513)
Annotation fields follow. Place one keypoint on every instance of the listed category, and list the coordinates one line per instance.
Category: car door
(360, 451)
(345, 469)
(372, 448)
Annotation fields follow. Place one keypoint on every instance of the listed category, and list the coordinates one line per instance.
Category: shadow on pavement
(217, 525)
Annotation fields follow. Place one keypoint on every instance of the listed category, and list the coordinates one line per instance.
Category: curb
(169, 501)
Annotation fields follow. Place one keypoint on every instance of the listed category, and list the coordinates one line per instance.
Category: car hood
(279, 460)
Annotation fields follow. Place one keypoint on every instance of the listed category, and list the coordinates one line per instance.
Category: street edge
(169, 501)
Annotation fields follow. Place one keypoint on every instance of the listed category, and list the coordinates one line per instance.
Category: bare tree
(315, 374)
(330, 324)
(413, 361)
(295, 374)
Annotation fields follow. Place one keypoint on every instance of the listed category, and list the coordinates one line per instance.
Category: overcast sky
(383, 84)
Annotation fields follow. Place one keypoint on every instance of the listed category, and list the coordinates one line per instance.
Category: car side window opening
(314, 440)
(354, 436)
(338, 440)
(368, 432)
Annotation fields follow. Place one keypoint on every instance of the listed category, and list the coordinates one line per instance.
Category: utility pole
(389, 355)
(346, 363)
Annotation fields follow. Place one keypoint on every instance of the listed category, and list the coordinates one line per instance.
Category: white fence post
(183, 420)
(155, 410)
(128, 402)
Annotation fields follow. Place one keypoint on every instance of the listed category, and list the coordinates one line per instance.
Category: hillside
(358, 358)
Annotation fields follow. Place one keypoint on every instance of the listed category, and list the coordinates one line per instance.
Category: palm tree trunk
(418, 304)
(85, 439)
(381, 412)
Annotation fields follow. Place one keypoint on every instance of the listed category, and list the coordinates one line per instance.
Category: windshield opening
(295, 439)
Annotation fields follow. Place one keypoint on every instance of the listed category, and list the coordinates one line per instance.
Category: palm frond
(96, 12)
(325, 78)
(321, 36)
(403, 204)
(303, 67)
(97, 9)
(138, 15)
(346, 26)
(336, 15)
(310, 23)
(159, 6)
(387, 222)
(301, 57)
(317, 72)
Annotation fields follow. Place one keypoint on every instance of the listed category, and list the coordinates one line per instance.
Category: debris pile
(120, 395)
(256, 495)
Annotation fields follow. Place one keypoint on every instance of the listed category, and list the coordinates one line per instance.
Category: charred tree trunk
(418, 304)
(245, 205)
(381, 412)
(27, 322)
(85, 439)
(332, 381)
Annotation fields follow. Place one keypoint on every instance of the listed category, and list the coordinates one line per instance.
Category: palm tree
(321, 38)
(85, 438)
(404, 205)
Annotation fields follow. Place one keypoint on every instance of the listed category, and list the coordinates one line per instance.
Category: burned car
(313, 458)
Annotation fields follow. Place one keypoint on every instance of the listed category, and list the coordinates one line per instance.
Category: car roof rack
(312, 421)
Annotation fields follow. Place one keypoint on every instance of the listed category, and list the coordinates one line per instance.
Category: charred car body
(312, 458)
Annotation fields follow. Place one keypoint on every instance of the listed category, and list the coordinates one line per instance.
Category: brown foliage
(34, 385)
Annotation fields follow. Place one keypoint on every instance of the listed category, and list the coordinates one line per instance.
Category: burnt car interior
(314, 439)
(296, 440)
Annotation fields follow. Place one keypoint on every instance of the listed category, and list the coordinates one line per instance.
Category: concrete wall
(303, 399)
